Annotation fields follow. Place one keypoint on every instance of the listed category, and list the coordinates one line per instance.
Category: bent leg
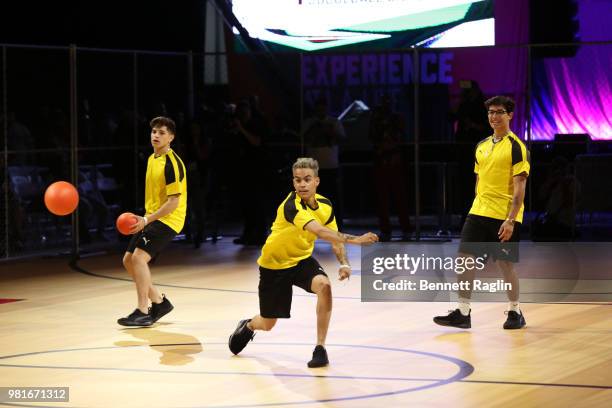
(322, 288)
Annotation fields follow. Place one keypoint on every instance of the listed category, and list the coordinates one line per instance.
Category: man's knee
(140, 258)
(127, 260)
(506, 267)
(321, 285)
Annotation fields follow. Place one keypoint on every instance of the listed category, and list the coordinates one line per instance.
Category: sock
(463, 304)
(514, 306)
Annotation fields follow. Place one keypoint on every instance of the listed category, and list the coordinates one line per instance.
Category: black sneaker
(319, 358)
(240, 337)
(158, 310)
(514, 320)
(137, 318)
(455, 319)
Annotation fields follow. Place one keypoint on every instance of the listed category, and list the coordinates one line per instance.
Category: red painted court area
(9, 300)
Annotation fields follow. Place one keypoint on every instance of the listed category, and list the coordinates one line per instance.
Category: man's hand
(505, 231)
(139, 226)
(366, 239)
(344, 273)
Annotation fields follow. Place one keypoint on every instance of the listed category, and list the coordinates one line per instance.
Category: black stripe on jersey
(180, 166)
(289, 209)
(517, 153)
(331, 216)
(169, 171)
(325, 200)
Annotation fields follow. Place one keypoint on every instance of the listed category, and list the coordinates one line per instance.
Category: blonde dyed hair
(307, 163)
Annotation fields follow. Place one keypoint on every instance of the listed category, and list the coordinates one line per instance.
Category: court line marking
(237, 373)
(600, 387)
(464, 370)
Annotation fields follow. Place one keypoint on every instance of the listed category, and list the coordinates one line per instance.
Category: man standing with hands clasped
(501, 167)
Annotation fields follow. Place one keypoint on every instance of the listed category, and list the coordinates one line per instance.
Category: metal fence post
(5, 152)
(417, 185)
(74, 158)
(136, 122)
(190, 87)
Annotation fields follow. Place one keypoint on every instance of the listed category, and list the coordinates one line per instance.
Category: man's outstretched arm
(332, 236)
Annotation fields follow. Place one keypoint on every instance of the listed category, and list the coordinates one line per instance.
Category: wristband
(146, 221)
(345, 266)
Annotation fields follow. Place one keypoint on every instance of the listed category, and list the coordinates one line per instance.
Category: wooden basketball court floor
(64, 334)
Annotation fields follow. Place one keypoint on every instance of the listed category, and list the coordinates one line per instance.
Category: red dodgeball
(61, 198)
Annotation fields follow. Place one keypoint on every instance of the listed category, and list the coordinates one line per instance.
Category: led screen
(312, 25)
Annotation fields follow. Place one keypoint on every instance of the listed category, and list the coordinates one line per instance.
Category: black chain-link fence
(81, 115)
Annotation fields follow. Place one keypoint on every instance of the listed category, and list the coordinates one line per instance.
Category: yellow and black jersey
(496, 165)
(289, 242)
(166, 176)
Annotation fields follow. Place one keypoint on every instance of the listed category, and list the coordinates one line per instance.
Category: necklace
(161, 153)
(497, 140)
(494, 141)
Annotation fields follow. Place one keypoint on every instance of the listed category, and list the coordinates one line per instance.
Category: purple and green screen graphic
(313, 25)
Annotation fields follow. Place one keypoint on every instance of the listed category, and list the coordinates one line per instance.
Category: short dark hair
(505, 101)
(163, 121)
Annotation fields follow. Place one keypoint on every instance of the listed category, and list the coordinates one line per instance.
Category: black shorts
(152, 239)
(276, 286)
(479, 237)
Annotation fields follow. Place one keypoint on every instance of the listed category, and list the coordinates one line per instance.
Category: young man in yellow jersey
(165, 207)
(501, 167)
(286, 260)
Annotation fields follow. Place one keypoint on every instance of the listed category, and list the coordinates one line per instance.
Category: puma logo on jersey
(146, 241)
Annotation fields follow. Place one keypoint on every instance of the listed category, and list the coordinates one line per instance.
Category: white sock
(514, 306)
(463, 304)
